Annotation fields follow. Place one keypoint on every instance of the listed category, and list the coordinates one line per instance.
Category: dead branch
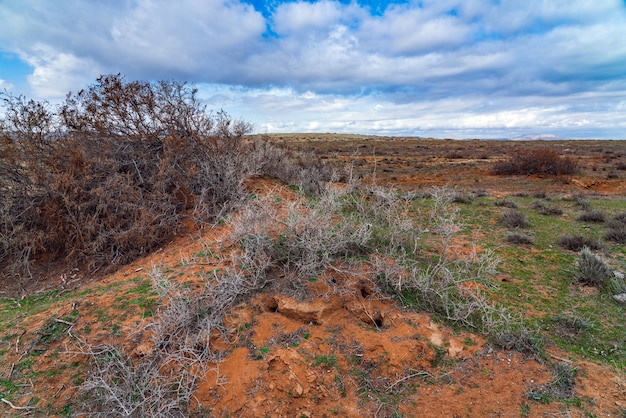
(16, 407)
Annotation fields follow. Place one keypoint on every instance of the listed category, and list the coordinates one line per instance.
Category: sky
(429, 68)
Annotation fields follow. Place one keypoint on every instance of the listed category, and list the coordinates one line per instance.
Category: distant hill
(536, 137)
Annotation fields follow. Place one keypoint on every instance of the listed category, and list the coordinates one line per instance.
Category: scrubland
(157, 260)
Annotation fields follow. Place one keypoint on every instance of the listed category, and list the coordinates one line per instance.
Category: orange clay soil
(343, 352)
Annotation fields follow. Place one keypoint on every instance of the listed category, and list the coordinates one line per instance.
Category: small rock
(620, 298)
(618, 275)
(297, 390)
(272, 385)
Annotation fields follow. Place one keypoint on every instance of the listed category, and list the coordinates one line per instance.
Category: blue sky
(442, 68)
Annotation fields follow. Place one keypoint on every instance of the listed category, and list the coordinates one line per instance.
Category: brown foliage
(109, 177)
(536, 161)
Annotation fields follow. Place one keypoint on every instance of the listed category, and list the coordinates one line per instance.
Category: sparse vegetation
(506, 204)
(545, 209)
(595, 216)
(592, 269)
(518, 239)
(616, 229)
(561, 387)
(521, 340)
(582, 201)
(281, 269)
(536, 161)
(111, 174)
(512, 218)
(578, 242)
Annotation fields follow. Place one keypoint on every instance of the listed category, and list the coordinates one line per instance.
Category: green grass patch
(541, 279)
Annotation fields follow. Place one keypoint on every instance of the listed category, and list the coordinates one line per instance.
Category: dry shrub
(118, 386)
(506, 204)
(593, 270)
(304, 243)
(578, 242)
(595, 216)
(512, 218)
(521, 340)
(304, 170)
(519, 239)
(545, 209)
(536, 161)
(616, 229)
(109, 176)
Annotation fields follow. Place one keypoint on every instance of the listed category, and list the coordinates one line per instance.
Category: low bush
(594, 216)
(541, 161)
(506, 204)
(545, 209)
(582, 201)
(620, 217)
(459, 197)
(519, 239)
(592, 270)
(514, 219)
(569, 326)
(578, 242)
(560, 387)
(523, 341)
(616, 232)
(616, 229)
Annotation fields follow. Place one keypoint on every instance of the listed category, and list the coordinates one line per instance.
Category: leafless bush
(506, 203)
(514, 219)
(154, 386)
(111, 174)
(460, 197)
(304, 170)
(616, 229)
(143, 110)
(578, 242)
(545, 209)
(536, 161)
(301, 244)
(393, 228)
(518, 239)
(620, 217)
(453, 287)
(595, 216)
(521, 340)
(560, 387)
(162, 382)
(582, 201)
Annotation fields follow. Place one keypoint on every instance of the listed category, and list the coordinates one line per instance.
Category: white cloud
(428, 65)
(406, 30)
(303, 17)
(191, 37)
(286, 110)
(56, 73)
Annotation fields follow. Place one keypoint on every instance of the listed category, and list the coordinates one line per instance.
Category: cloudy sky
(442, 68)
